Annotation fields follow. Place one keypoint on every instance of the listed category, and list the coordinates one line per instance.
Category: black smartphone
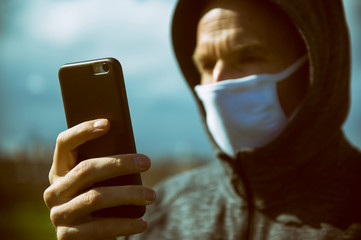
(96, 89)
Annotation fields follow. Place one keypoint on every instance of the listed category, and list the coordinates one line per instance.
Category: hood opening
(325, 33)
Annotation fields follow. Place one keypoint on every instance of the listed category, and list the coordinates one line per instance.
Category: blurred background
(38, 36)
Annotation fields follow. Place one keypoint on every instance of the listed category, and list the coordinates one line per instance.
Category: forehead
(246, 8)
(238, 22)
(221, 30)
(250, 15)
(217, 19)
(225, 27)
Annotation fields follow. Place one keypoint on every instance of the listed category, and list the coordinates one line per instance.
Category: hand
(70, 205)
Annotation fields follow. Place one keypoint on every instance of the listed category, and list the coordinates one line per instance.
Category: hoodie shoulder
(192, 205)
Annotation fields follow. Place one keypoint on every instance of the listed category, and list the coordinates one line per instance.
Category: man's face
(244, 38)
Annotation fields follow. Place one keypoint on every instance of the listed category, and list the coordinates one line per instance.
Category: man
(271, 80)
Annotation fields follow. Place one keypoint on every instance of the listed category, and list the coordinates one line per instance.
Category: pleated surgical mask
(245, 112)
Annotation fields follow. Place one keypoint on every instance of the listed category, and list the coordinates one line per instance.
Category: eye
(208, 66)
(247, 59)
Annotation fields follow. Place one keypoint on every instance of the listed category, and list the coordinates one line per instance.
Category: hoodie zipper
(240, 177)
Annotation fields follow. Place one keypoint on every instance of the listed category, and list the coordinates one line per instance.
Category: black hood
(323, 27)
(311, 152)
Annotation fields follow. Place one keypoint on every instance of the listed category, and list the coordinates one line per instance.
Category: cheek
(206, 78)
(286, 96)
(292, 90)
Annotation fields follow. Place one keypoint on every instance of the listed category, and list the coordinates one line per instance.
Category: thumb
(67, 142)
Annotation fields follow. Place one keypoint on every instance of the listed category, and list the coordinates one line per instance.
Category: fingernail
(149, 195)
(100, 124)
(143, 224)
(141, 161)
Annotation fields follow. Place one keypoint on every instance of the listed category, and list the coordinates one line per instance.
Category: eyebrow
(244, 49)
(254, 47)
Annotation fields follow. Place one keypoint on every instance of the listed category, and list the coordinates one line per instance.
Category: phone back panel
(88, 96)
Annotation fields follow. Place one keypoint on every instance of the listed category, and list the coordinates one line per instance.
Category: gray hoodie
(305, 184)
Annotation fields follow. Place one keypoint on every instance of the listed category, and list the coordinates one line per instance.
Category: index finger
(67, 142)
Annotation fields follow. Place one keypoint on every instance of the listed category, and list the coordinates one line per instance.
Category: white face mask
(245, 113)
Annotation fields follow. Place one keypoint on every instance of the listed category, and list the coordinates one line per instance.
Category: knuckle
(117, 162)
(77, 131)
(63, 233)
(82, 169)
(49, 196)
(51, 176)
(92, 197)
(56, 216)
(83, 128)
(60, 139)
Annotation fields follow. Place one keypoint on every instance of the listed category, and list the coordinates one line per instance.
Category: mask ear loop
(291, 69)
(288, 72)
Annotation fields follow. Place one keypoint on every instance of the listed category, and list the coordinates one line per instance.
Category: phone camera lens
(105, 67)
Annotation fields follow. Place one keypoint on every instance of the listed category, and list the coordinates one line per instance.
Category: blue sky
(41, 35)
(38, 36)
